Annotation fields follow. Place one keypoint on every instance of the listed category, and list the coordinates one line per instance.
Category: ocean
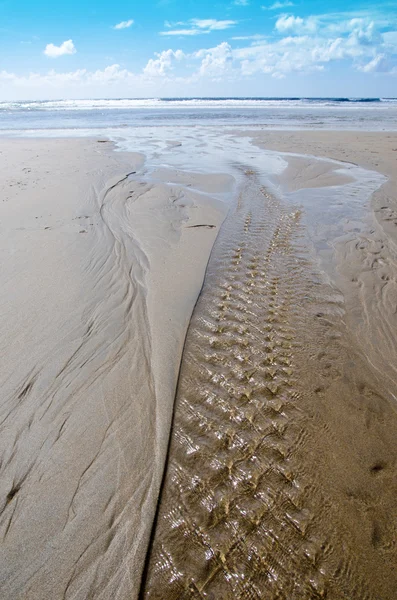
(370, 114)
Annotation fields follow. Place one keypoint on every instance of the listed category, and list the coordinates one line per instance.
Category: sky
(184, 48)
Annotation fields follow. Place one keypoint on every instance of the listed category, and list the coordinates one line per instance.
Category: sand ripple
(265, 496)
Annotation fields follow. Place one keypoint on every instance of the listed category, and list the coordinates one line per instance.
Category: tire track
(243, 512)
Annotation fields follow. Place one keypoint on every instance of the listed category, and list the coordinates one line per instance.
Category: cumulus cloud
(81, 77)
(158, 67)
(50, 79)
(112, 75)
(296, 45)
(198, 26)
(289, 23)
(124, 24)
(379, 64)
(66, 47)
(362, 33)
(216, 62)
(108, 75)
(309, 45)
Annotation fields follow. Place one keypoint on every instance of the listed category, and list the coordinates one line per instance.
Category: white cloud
(241, 2)
(296, 45)
(112, 75)
(278, 5)
(184, 32)
(390, 39)
(363, 33)
(173, 25)
(66, 47)
(109, 75)
(379, 64)
(289, 23)
(52, 78)
(198, 26)
(124, 24)
(256, 36)
(313, 43)
(163, 63)
(216, 62)
(213, 24)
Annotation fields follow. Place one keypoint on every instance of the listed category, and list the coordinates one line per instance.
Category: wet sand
(366, 264)
(281, 478)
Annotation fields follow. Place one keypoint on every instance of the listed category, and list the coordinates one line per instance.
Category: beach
(221, 304)
(282, 460)
(95, 306)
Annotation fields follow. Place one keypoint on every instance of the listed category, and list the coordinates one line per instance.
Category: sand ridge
(101, 275)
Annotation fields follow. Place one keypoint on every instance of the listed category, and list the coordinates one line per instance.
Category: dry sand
(100, 273)
(281, 479)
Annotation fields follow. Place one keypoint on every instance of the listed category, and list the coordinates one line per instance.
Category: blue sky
(82, 49)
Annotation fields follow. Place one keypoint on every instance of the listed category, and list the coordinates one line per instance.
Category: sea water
(370, 114)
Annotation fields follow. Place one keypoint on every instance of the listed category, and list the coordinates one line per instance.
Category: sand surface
(281, 473)
(281, 479)
(100, 273)
(366, 257)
